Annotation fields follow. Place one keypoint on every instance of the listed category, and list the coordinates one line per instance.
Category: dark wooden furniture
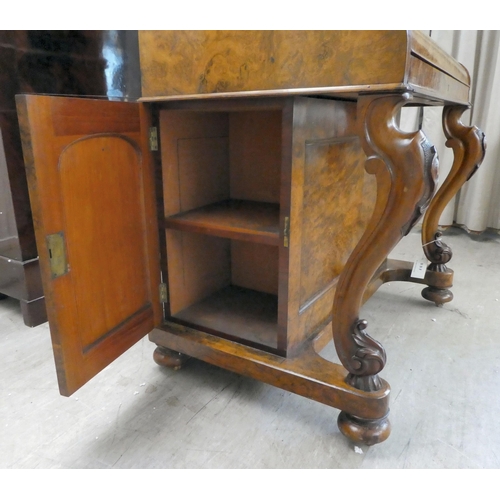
(98, 63)
(244, 209)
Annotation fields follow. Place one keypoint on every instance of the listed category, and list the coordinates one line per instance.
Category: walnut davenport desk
(243, 210)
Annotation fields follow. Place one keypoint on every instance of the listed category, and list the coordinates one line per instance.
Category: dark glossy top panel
(67, 62)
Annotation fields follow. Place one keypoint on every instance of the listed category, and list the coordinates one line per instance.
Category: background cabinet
(92, 63)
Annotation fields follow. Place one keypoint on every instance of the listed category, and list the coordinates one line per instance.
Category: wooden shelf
(236, 313)
(236, 219)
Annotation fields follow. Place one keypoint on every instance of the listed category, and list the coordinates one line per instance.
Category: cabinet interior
(221, 190)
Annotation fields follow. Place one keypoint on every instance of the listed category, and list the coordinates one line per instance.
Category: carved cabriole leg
(469, 146)
(171, 359)
(405, 166)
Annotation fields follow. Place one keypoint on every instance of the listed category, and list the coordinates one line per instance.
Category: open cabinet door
(91, 182)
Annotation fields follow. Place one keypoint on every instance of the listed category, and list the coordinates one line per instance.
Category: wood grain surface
(203, 64)
(91, 180)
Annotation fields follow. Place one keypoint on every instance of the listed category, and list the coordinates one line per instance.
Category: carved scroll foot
(168, 358)
(362, 430)
(405, 167)
(469, 146)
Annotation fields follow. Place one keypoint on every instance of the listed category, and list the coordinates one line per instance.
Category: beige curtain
(477, 206)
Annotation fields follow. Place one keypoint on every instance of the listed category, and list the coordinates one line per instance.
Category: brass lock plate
(57, 254)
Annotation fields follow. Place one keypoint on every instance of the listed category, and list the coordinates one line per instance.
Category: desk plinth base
(307, 374)
(364, 415)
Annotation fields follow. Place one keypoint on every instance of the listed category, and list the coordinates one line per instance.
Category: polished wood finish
(368, 431)
(425, 49)
(169, 359)
(88, 176)
(222, 170)
(241, 314)
(469, 147)
(308, 375)
(200, 64)
(314, 169)
(331, 203)
(273, 204)
(405, 166)
(235, 219)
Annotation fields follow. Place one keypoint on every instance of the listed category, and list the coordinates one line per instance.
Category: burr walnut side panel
(332, 201)
(333, 205)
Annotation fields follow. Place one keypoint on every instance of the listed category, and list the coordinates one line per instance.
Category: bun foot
(362, 430)
(437, 295)
(171, 359)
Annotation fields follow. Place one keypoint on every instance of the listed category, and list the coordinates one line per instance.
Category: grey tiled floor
(443, 367)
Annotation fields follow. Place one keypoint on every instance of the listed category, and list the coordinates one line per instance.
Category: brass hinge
(153, 139)
(57, 254)
(286, 232)
(163, 293)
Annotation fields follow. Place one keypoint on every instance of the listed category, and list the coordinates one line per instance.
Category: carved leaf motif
(438, 253)
(404, 165)
(482, 141)
(370, 357)
(431, 163)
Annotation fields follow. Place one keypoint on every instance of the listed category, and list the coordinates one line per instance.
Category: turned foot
(171, 359)
(364, 431)
(439, 278)
(437, 295)
(469, 146)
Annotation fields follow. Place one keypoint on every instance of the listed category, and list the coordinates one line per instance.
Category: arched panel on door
(92, 193)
